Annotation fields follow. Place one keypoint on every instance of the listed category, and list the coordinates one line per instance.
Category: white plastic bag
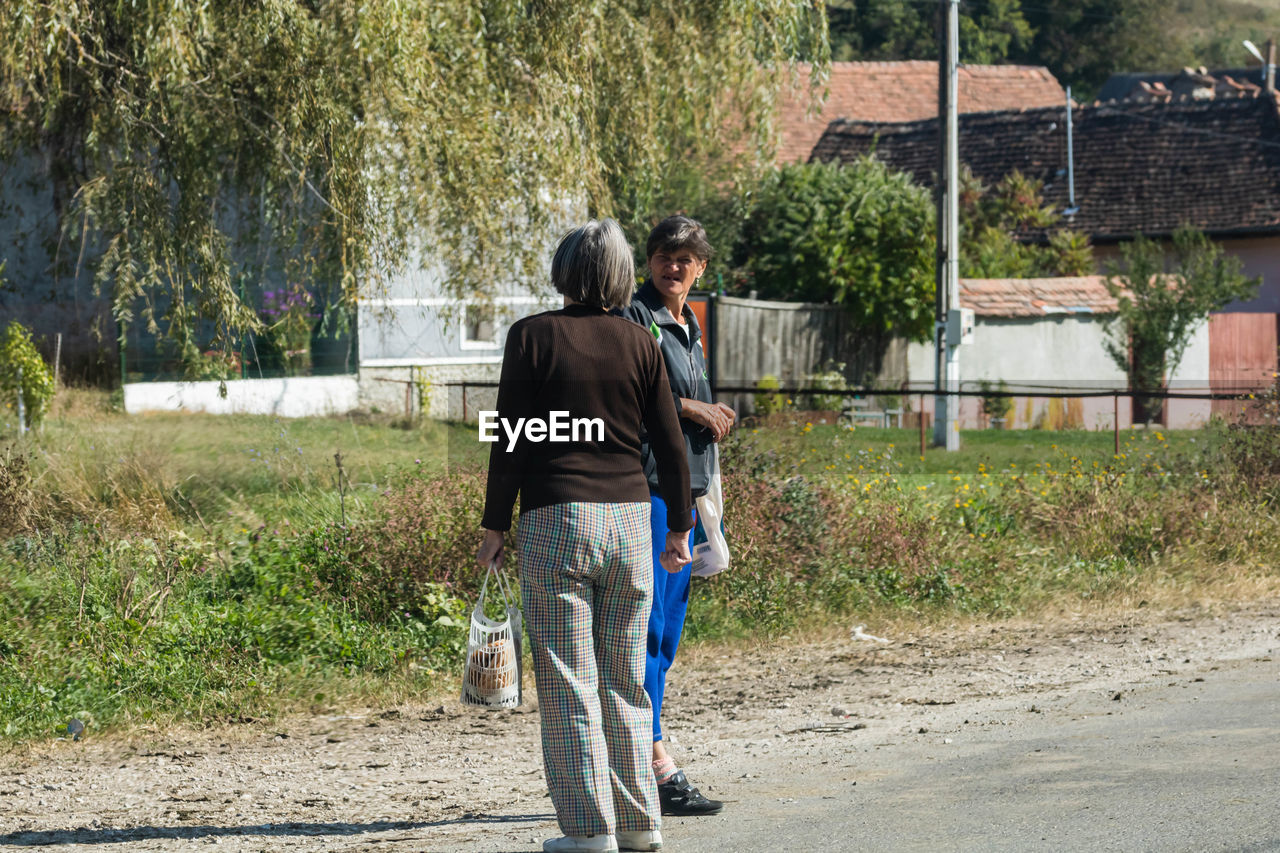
(492, 675)
(710, 550)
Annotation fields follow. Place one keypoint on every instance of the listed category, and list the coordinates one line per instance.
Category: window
(479, 327)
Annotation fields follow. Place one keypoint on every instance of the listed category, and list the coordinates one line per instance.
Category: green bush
(848, 234)
(1247, 450)
(999, 404)
(768, 401)
(832, 378)
(19, 355)
(117, 629)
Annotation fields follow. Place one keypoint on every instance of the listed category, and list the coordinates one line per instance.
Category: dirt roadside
(441, 778)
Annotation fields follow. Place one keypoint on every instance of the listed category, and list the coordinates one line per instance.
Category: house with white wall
(415, 335)
(1143, 167)
(1050, 334)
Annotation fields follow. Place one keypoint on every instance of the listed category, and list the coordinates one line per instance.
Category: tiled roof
(1036, 297)
(1122, 85)
(1139, 167)
(905, 91)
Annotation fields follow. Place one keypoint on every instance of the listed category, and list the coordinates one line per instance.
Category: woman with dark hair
(678, 252)
(585, 552)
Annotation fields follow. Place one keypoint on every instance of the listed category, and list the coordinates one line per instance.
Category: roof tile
(905, 91)
(1140, 167)
(1036, 297)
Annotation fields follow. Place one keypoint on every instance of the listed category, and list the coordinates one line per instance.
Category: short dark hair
(678, 232)
(593, 265)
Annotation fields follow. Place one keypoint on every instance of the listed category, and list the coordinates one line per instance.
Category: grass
(216, 475)
(201, 568)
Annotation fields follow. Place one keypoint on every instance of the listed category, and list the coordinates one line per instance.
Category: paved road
(1188, 764)
(1192, 766)
(1083, 735)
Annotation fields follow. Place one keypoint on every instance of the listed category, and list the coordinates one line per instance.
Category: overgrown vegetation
(833, 523)
(214, 578)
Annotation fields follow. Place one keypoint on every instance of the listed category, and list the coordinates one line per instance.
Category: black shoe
(681, 799)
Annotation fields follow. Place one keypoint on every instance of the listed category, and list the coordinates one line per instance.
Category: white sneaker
(581, 844)
(644, 839)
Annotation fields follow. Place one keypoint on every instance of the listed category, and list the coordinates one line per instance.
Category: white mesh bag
(710, 550)
(492, 676)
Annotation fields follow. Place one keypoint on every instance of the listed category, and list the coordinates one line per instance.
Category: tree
(858, 235)
(23, 373)
(1084, 42)
(197, 144)
(990, 32)
(1163, 292)
(1000, 228)
(1081, 41)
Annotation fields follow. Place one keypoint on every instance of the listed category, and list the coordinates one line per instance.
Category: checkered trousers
(586, 582)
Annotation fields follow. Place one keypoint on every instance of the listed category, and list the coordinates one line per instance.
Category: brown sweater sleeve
(506, 468)
(667, 444)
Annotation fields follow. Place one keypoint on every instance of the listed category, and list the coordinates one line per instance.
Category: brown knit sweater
(588, 365)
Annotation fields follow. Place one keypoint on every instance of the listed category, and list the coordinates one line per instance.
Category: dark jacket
(580, 364)
(687, 373)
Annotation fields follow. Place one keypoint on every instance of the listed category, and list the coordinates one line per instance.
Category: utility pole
(947, 337)
(1071, 209)
(1269, 76)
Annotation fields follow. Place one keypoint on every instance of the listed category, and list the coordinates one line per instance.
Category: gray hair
(593, 265)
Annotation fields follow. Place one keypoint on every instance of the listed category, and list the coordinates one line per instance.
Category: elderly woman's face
(675, 272)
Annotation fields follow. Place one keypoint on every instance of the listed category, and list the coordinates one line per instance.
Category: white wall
(1059, 352)
(290, 397)
(1063, 350)
(1191, 377)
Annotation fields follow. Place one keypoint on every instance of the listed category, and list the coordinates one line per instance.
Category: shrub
(832, 378)
(847, 234)
(18, 353)
(999, 404)
(116, 629)
(1248, 450)
(421, 536)
(15, 493)
(768, 401)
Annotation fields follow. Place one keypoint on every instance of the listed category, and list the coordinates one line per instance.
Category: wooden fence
(792, 340)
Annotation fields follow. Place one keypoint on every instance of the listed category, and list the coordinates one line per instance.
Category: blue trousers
(666, 618)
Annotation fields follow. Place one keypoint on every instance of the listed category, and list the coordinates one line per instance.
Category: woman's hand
(676, 556)
(716, 417)
(490, 549)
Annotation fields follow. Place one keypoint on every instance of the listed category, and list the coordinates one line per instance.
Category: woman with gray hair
(586, 580)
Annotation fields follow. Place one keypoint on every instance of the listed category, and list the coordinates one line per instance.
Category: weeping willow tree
(192, 142)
